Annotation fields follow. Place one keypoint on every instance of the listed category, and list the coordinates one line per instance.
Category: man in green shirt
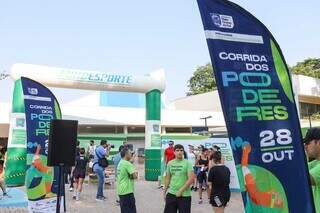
(312, 146)
(126, 173)
(179, 177)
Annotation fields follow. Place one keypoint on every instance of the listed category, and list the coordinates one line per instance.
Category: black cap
(312, 134)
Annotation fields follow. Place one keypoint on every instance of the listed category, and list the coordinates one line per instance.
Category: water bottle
(217, 201)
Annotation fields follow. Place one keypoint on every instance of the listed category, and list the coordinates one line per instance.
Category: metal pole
(59, 190)
(63, 190)
(310, 121)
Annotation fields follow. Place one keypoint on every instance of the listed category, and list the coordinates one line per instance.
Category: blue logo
(216, 19)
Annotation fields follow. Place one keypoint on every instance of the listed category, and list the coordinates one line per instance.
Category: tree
(309, 67)
(202, 80)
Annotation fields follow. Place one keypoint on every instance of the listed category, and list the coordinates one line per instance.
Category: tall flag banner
(17, 151)
(41, 181)
(259, 108)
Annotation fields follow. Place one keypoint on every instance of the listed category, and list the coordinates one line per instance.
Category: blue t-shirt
(116, 160)
(101, 153)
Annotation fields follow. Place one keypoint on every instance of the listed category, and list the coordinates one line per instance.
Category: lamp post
(309, 116)
(205, 120)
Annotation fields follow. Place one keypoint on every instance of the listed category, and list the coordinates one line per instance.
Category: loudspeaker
(62, 142)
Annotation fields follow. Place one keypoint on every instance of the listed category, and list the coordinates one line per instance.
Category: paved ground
(148, 200)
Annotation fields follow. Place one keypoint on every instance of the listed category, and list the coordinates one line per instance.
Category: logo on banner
(222, 21)
(33, 91)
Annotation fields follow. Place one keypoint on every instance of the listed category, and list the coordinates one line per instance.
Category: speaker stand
(61, 188)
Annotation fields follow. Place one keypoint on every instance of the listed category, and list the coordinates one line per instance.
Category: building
(122, 114)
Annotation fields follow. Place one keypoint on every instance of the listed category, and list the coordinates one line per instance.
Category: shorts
(79, 173)
(202, 178)
(219, 200)
(195, 170)
(174, 204)
(127, 203)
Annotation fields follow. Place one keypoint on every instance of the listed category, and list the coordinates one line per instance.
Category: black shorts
(202, 178)
(219, 200)
(79, 173)
(128, 203)
(173, 204)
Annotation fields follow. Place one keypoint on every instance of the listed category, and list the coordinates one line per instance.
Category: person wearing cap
(312, 146)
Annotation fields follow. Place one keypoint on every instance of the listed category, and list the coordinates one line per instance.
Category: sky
(136, 37)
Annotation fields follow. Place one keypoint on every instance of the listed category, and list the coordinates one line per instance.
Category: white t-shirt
(192, 158)
(92, 149)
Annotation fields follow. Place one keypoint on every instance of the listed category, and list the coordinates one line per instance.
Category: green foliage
(309, 67)
(202, 80)
(315, 116)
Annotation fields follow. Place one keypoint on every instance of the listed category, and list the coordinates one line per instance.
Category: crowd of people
(199, 169)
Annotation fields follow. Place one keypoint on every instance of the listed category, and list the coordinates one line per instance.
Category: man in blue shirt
(100, 152)
(116, 159)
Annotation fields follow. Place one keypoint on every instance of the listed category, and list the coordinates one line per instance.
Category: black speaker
(62, 142)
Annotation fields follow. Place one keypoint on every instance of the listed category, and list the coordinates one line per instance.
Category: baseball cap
(171, 142)
(312, 134)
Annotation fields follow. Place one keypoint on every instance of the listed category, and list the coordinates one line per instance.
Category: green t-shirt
(314, 170)
(124, 182)
(179, 170)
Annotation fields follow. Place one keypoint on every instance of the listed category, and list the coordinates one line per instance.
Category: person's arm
(210, 164)
(1, 172)
(210, 181)
(165, 156)
(191, 177)
(315, 176)
(133, 174)
(197, 162)
(167, 180)
(313, 182)
(133, 158)
(210, 187)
